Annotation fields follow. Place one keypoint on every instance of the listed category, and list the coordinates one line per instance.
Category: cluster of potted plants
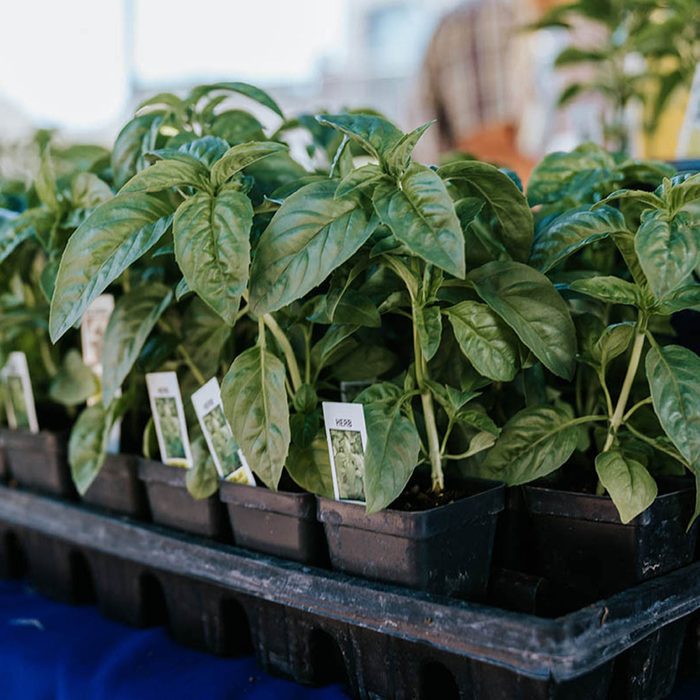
(395, 344)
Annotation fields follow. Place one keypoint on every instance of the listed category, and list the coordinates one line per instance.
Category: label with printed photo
(347, 441)
(169, 418)
(227, 457)
(19, 397)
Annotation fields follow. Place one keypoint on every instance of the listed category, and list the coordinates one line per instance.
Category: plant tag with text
(228, 458)
(19, 397)
(347, 440)
(169, 418)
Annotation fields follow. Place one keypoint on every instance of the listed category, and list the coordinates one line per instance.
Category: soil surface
(415, 498)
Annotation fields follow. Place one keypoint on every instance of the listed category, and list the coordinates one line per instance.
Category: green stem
(619, 413)
(656, 445)
(191, 364)
(286, 347)
(46, 358)
(635, 408)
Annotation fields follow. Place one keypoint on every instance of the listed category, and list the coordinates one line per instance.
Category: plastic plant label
(228, 458)
(347, 440)
(92, 331)
(19, 397)
(689, 138)
(169, 418)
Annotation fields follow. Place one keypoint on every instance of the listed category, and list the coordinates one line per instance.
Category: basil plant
(634, 396)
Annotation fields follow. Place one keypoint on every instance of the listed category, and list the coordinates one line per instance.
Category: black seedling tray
(316, 625)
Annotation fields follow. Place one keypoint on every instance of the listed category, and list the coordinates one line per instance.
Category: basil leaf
(571, 232)
(486, 341)
(611, 290)
(75, 382)
(673, 374)
(375, 135)
(202, 480)
(36, 222)
(398, 157)
(128, 146)
(255, 403)
(245, 89)
(212, 248)
(391, 455)
(421, 215)
(241, 156)
(504, 199)
(629, 484)
(614, 341)
(533, 443)
(310, 467)
(668, 250)
(684, 298)
(309, 236)
(88, 191)
(164, 174)
(642, 196)
(104, 245)
(359, 180)
(429, 327)
(528, 302)
(89, 439)
(134, 317)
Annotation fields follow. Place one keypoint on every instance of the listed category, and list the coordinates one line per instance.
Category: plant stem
(286, 347)
(190, 364)
(426, 397)
(46, 358)
(619, 413)
(635, 408)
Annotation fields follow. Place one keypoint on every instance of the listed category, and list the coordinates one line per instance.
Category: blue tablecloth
(51, 651)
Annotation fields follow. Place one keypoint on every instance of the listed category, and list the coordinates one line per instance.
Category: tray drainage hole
(235, 628)
(436, 681)
(82, 581)
(16, 564)
(327, 662)
(154, 610)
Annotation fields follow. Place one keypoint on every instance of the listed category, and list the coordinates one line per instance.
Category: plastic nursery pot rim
(301, 505)
(540, 500)
(21, 439)
(489, 499)
(150, 470)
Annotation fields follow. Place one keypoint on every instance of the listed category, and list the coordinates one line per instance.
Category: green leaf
(241, 156)
(164, 174)
(359, 180)
(35, 222)
(87, 446)
(255, 404)
(75, 383)
(673, 373)
(642, 196)
(629, 484)
(534, 442)
(375, 135)
(668, 250)
(398, 157)
(571, 232)
(505, 200)
(128, 147)
(611, 290)
(366, 362)
(205, 336)
(309, 236)
(109, 241)
(353, 307)
(486, 341)
(684, 298)
(421, 215)
(202, 479)
(134, 317)
(528, 302)
(613, 342)
(45, 183)
(245, 89)
(212, 248)
(391, 456)
(310, 467)
(88, 191)
(429, 327)
(207, 150)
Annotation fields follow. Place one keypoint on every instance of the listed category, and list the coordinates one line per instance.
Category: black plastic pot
(117, 487)
(38, 461)
(275, 522)
(442, 550)
(582, 548)
(171, 504)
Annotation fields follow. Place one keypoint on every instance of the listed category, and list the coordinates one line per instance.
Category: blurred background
(491, 72)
